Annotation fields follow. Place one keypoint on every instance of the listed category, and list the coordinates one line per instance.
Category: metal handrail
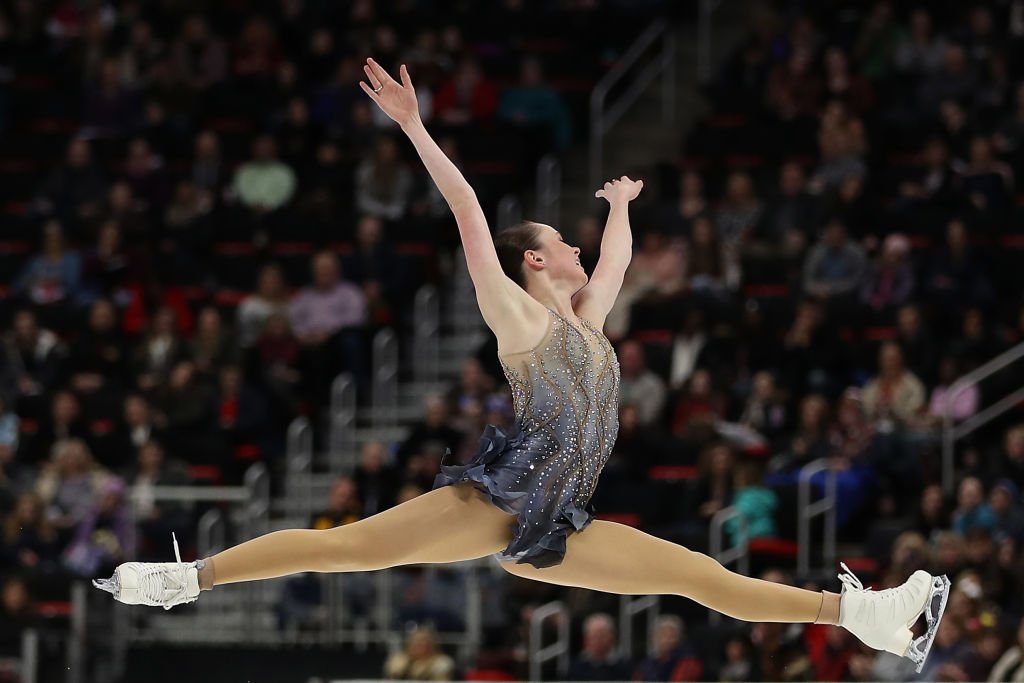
(705, 38)
(257, 485)
(629, 607)
(557, 650)
(192, 494)
(211, 533)
(77, 633)
(341, 429)
(385, 379)
(808, 511)
(951, 432)
(739, 553)
(426, 313)
(29, 655)
(549, 190)
(509, 212)
(602, 117)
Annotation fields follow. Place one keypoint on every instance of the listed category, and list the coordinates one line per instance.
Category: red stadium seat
(653, 336)
(247, 451)
(779, 547)
(627, 518)
(672, 473)
(205, 473)
(54, 608)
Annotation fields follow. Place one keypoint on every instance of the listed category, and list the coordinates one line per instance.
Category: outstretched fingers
(383, 76)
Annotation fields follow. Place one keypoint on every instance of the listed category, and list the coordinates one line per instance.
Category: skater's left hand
(620, 189)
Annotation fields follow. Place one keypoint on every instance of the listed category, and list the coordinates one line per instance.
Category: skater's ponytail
(510, 244)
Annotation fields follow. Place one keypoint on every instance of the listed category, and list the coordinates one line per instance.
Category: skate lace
(852, 583)
(164, 585)
(850, 580)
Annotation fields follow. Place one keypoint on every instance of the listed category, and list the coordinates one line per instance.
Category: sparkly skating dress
(545, 469)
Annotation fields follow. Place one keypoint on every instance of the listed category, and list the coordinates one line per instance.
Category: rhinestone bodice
(565, 393)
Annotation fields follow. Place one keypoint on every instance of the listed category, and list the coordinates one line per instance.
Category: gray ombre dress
(545, 469)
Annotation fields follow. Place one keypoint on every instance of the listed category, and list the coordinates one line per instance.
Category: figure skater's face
(559, 259)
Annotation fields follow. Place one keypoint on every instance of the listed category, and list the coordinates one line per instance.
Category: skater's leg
(444, 525)
(619, 559)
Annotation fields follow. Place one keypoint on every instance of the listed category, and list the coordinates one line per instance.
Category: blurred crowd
(203, 221)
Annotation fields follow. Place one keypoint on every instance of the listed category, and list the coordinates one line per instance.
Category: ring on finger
(379, 88)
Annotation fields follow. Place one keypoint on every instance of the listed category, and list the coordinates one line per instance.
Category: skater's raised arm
(497, 294)
(595, 300)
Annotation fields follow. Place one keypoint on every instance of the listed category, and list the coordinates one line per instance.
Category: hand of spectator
(28, 386)
(397, 100)
(28, 558)
(455, 117)
(620, 189)
(710, 508)
(87, 382)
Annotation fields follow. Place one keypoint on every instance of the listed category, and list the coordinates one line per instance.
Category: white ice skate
(160, 584)
(882, 619)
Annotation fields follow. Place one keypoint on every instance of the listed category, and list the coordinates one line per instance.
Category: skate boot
(882, 619)
(160, 584)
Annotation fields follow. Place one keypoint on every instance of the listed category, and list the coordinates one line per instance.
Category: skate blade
(919, 648)
(109, 585)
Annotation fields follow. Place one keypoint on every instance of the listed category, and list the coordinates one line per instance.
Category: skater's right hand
(397, 100)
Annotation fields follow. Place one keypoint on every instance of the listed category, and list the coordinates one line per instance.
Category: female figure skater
(525, 496)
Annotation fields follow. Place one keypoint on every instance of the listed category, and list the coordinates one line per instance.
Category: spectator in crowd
(789, 217)
(209, 173)
(328, 319)
(598, 660)
(889, 281)
(712, 264)
(75, 188)
(1004, 500)
(467, 97)
(112, 108)
(638, 385)
(200, 58)
(32, 357)
(51, 280)
(895, 396)
(1010, 666)
(156, 519)
(277, 355)
(678, 216)
(739, 211)
(302, 594)
(264, 183)
(972, 511)
(955, 273)
(105, 537)
(383, 183)
(30, 541)
(376, 479)
(211, 345)
(673, 659)
(63, 421)
(834, 266)
(433, 429)
(421, 660)
(534, 103)
(17, 613)
(70, 484)
(372, 266)
(765, 409)
(270, 298)
(656, 272)
(161, 348)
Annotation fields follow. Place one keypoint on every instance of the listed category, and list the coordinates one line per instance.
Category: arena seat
(672, 473)
(628, 518)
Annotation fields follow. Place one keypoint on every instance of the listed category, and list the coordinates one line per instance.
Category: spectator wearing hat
(1004, 500)
(890, 280)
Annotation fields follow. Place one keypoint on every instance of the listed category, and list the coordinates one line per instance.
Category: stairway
(641, 140)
